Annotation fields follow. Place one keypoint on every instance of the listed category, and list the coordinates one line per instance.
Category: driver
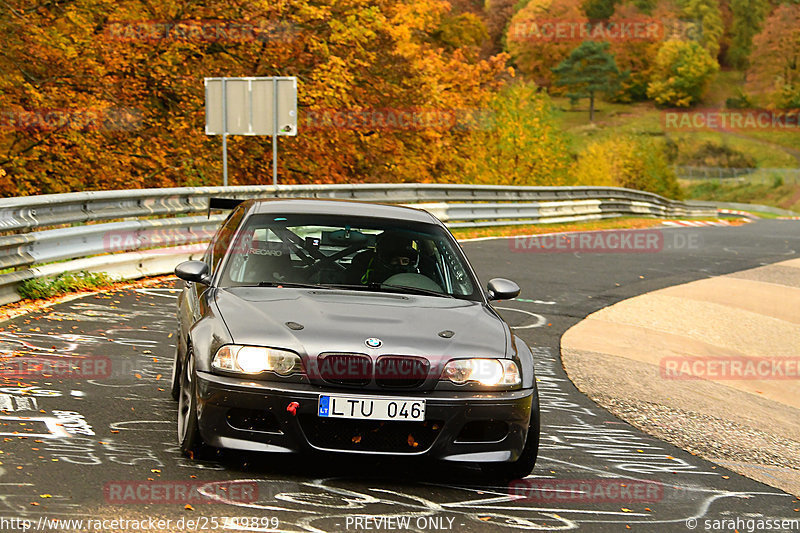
(395, 253)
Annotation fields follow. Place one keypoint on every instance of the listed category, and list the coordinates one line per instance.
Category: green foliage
(707, 21)
(740, 101)
(599, 9)
(634, 162)
(789, 96)
(711, 154)
(40, 288)
(520, 143)
(748, 18)
(681, 74)
(645, 6)
(589, 69)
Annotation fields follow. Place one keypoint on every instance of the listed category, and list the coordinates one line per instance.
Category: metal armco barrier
(154, 229)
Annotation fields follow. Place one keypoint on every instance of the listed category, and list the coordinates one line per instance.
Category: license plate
(371, 408)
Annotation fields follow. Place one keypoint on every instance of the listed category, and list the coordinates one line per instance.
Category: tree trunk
(591, 106)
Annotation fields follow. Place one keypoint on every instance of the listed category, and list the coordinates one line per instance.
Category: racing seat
(267, 261)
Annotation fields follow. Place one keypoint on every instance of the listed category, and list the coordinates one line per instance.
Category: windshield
(350, 253)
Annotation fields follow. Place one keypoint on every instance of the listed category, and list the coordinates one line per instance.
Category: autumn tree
(588, 70)
(632, 162)
(464, 30)
(748, 18)
(774, 65)
(635, 57)
(128, 77)
(707, 20)
(518, 141)
(681, 73)
(497, 14)
(542, 34)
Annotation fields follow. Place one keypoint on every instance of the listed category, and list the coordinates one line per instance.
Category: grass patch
(773, 192)
(769, 149)
(66, 282)
(763, 155)
(723, 86)
(611, 120)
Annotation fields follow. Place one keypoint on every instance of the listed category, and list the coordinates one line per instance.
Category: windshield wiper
(289, 284)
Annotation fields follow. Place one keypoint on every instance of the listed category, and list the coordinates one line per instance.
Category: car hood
(341, 321)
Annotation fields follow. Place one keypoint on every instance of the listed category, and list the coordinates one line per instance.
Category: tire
(175, 387)
(189, 439)
(504, 472)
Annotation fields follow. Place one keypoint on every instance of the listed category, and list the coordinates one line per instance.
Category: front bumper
(460, 426)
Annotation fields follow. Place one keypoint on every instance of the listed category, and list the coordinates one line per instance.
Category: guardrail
(154, 229)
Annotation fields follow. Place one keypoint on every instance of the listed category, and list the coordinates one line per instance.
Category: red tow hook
(292, 408)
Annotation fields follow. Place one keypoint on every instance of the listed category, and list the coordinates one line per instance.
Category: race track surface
(101, 446)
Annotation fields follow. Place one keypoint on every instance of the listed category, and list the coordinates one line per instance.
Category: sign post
(251, 106)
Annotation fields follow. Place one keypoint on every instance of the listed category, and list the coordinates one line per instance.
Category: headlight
(489, 372)
(255, 359)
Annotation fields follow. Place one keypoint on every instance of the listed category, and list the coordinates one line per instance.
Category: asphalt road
(101, 446)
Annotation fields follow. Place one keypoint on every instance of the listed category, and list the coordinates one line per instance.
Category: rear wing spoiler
(222, 203)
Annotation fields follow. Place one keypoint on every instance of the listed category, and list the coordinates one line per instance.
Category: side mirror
(196, 271)
(502, 289)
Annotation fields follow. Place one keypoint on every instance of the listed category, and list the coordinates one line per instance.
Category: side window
(223, 237)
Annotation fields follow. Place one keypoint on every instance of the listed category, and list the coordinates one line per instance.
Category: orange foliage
(105, 95)
(542, 34)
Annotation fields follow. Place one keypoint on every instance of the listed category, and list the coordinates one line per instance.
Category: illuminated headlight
(489, 372)
(255, 359)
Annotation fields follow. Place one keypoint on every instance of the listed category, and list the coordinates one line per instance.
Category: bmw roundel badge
(372, 342)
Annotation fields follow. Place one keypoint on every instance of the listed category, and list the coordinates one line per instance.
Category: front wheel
(189, 438)
(527, 459)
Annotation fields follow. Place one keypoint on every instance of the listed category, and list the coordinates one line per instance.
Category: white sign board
(247, 106)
